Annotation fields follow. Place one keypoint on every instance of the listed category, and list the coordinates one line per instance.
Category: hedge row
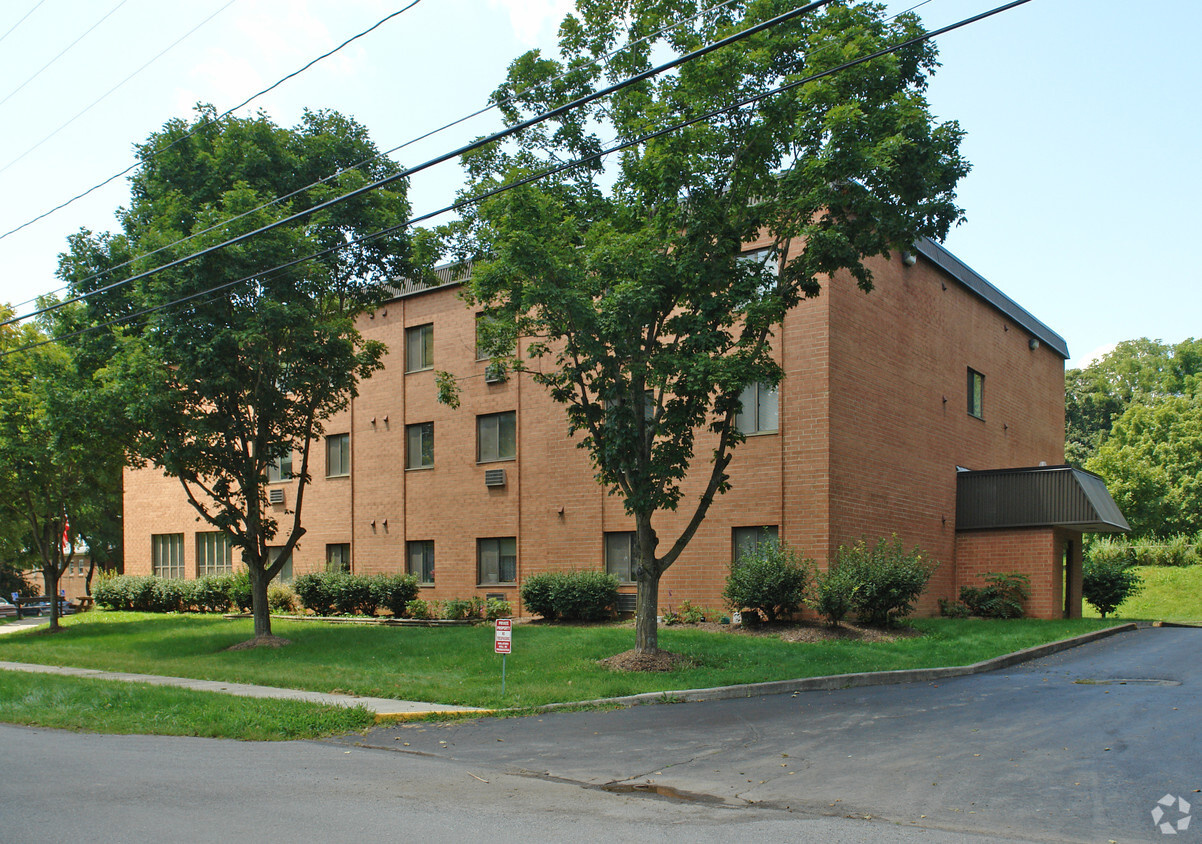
(1178, 550)
(586, 595)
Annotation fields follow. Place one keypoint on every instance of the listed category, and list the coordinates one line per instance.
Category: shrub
(459, 609)
(1111, 549)
(212, 593)
(495, 608)
(1107, 583)
(352, 594)
(888, 579)
(583, 595)
(417, 608)
(537, 594)
(1178, 550)
(953, 609)
(241, 595)
(281, 598)
(311, 590)
(394, 591)
(770, 579)
(1002, 596)
(833, 595)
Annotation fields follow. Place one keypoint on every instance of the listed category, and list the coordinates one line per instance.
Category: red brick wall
(1035, 552)
(866, 446)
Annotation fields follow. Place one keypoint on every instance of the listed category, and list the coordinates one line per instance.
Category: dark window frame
(505, 563)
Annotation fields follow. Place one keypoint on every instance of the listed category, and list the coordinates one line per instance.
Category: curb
(849, 681)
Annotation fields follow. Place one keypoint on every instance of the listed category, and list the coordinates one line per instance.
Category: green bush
(888, 579)
(212, 593)
(495, 608)
(311, 589)
(460, 609)
(140, 593)
(953, 609)
(417, 608)
(583, 595)
(1002, 596)
(394, 591)
(241, 595)
(1107, 583)
(770, 580)
(833, 595)
(281, 598)
(1178, 550)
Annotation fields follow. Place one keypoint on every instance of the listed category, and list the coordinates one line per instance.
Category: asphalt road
(1079, 746)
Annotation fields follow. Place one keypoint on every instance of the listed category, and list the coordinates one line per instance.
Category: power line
(200, 126)
(64, 50)
(926, 36)
(432, 132)
(96, 102)
(22, 20)
(474, 145)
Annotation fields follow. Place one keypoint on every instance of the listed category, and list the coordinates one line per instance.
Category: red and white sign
(503, 643)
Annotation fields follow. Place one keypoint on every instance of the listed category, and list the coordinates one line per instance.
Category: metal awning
(1039, 496)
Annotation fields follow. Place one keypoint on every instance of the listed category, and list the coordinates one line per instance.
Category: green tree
(220, 386)
(1152, 463)
(60, 463)
(627, 283)
(1134, 372)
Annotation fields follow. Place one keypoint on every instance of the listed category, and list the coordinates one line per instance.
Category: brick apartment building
(931, 408)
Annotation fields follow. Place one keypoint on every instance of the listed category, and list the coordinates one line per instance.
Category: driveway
(1079, 746)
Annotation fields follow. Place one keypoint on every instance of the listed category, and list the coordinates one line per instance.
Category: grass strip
(112, 706)
(1169, 594)
(456, 665)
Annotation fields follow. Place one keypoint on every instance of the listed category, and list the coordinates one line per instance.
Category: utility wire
(432, 132)
(926, 36)
(200, 126)
(474, 145)
(64, 50)
(22, 20)
(96, 102)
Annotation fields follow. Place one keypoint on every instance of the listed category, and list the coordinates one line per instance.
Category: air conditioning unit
(494, 477)
(275, 496)
(494, 374)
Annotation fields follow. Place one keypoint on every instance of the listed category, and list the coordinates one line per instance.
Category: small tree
(1106, 583)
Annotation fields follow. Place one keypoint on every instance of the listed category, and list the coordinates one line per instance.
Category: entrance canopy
(1039, 496)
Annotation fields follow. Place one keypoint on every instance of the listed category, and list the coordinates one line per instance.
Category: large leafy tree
(624, 275)
(1152, 463)
(233, 362)
(1134, 372)
(60, 461)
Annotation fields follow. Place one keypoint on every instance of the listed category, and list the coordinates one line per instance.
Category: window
(497, 560)
(213, 554)
(280, 469)
(168, 554)
(338, 557)
(338, 455)
(619, 555)
(419, 348)
(976, 393)
(419, 560)
(496, 437)
(747, 539)
(765, 258)
(419, 445)
(760, 409)
(285, 575)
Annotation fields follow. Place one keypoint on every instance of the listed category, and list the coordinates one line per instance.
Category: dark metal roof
(977, 284)
(1039, 496)
(443, 276)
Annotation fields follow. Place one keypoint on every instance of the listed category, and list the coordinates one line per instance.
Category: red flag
(66, 528)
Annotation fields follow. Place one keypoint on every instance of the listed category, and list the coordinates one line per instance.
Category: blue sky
(1082, 122)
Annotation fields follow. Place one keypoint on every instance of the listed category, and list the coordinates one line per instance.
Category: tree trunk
(646, 629)
(259, 608)
(50, 589)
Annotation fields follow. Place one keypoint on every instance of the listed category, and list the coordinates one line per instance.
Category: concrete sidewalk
(385, 709)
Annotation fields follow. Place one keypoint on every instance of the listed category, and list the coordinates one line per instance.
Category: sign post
(503, 644)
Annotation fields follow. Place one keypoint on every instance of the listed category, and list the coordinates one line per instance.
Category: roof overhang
(1039, 496)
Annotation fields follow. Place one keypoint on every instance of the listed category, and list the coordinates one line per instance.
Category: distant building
(892, 402)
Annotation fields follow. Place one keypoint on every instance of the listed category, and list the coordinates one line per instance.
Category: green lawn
(113, 706)
(457, 664)
(1169, 594)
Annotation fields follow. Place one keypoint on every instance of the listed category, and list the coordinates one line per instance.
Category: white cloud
(535, 21)
(1094, 356)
